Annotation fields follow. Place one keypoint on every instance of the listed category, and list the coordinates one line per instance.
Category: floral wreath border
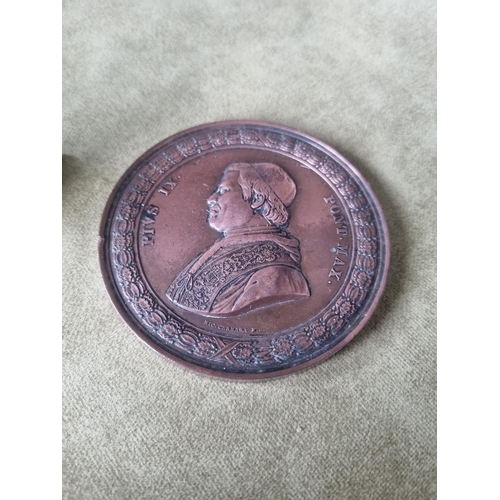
(212, 351)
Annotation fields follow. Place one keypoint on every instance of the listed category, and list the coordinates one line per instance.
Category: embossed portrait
(256, 263)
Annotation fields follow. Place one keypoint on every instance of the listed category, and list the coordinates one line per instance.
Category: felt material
(359, 75)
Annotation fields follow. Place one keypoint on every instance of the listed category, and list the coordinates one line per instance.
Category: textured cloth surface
(359, 75)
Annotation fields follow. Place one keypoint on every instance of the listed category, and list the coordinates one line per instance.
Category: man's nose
(213, 199)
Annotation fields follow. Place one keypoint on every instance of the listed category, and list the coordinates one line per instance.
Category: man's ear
(257, 201)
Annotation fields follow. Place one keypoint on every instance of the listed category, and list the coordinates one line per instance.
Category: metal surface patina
(244, 249)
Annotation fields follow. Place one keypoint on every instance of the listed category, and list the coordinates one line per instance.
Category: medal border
(326, 333)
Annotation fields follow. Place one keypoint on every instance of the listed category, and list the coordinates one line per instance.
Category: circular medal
(244, 249)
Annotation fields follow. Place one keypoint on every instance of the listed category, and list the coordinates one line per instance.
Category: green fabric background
(359, 75)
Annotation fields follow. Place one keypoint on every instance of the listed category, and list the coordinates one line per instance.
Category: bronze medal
(244, 249)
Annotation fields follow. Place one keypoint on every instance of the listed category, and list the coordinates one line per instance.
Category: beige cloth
(359, 75)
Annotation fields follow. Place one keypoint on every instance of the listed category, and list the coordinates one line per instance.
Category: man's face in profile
(226, 207)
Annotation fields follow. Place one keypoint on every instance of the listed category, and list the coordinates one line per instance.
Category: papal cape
(246, 269)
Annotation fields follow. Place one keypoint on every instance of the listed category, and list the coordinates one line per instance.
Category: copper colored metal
(244, 249)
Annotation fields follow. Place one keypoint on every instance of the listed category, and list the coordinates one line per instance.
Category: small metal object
(244, 249)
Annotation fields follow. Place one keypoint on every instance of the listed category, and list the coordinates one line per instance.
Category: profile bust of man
(256, 263)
